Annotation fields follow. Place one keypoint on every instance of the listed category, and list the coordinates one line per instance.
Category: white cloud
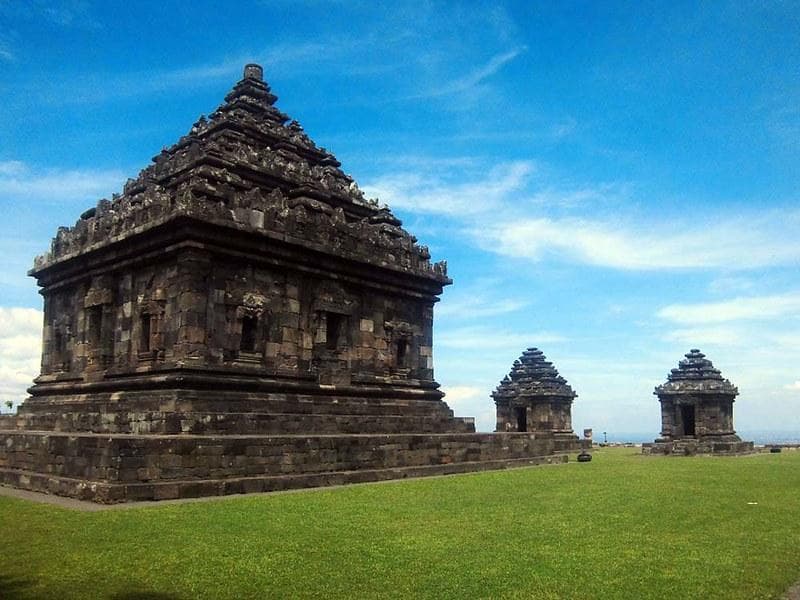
(509, 213)
(735, 244)
(701, 337)
(477, 76)
(728, 285)
(475, 306)
(472, 401)
(20, 348)
(430, 194)
(14, 321)
(12, 168)
(459, 393)
(794, 387)
(20, 182)
(737, 309)
(563, 128)
(482, 338)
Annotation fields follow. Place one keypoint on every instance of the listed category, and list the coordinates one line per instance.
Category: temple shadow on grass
(16, 588)
(144, 595)
(13, 587)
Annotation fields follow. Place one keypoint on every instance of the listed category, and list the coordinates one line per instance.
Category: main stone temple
(697, 411)
(240, 319)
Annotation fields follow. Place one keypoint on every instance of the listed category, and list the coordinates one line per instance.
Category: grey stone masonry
(697, 411)
(534, 397)
(241, 289)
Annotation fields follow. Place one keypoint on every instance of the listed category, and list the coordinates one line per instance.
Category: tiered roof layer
(249, 167)
(532, 375)
(696, 374)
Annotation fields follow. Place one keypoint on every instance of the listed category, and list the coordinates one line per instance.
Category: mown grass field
(622, 526)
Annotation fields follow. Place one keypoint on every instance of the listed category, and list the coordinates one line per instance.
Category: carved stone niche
(58, 346)
(250, 328)
(333, 318)
(149, 330)
(98, 326)
(400, 341)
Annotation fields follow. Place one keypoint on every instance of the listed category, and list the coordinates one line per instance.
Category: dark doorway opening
(94, 333)
(402, 352)
(687, 416)
(247, 342)
(522, 418)
(144, 344)
(334, 334)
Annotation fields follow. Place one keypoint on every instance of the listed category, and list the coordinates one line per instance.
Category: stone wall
(189, 309)
(124, 468)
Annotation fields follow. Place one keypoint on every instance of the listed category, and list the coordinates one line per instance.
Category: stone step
(104, 492)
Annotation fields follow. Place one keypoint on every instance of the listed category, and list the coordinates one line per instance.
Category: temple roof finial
(253, 71)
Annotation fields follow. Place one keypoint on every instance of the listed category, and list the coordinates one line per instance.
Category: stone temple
(240, 319)
(697, 411)
(534, 397)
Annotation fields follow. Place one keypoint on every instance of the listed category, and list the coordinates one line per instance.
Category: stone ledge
(102, 492)
(692, 447)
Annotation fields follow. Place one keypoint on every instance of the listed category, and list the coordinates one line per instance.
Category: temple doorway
(687, 416)
(522, 418)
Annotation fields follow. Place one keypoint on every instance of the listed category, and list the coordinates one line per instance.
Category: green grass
(622, 526)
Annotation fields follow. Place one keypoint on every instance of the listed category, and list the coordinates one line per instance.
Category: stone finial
(253, 71)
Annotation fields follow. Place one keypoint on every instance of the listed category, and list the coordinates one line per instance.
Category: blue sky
(613, 183)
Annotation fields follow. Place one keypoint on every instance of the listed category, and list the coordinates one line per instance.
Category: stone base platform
(109, 468)
(730, 445)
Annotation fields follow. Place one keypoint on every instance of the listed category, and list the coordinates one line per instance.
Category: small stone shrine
(697, 411)
(534, 397)
(240, 319)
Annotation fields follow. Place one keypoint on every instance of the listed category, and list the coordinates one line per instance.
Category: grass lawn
(622, 526)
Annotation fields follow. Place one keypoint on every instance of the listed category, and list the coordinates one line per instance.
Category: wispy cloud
(757, 308)
(482, 297)
(794, 387)
(19, 182)
(482, 338)
(66, 14)
(473, 78)
(8, 41)
(478, 306)
(729, 284)
(98, 87)
(707, 336)
(732, 244)
(429, 194)
(563, 129)
(508, 211)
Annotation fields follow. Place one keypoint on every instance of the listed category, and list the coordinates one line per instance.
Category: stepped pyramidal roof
(696, 374)
(533, 375)
(249, 167)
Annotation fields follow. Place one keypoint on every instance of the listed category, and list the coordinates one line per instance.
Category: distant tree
(10, 404)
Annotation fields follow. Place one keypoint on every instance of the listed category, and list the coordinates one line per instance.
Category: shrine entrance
(687, 417)
(522, 418)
